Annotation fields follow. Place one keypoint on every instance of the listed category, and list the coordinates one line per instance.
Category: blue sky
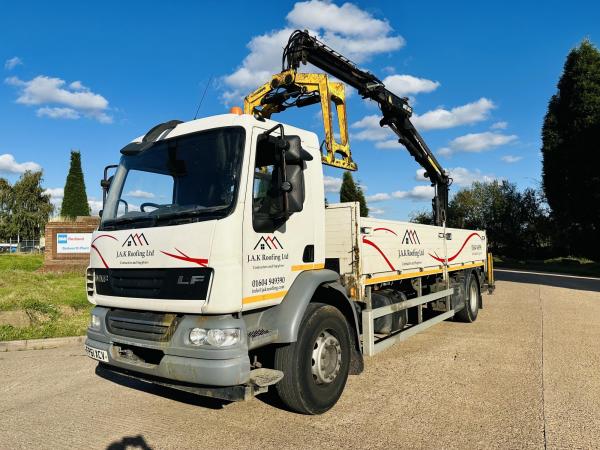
(94, 76)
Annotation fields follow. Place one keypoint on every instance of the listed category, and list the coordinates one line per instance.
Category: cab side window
(266, 193)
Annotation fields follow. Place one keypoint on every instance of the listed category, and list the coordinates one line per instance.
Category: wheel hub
(326, 358)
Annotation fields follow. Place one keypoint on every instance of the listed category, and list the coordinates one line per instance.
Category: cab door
(275, 248)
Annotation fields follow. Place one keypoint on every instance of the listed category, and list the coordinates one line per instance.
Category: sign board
(73, 242)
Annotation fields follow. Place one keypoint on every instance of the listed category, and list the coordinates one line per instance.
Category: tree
(422, 217)
(517, 223)
(570, 141)
(7, 200)
(350, 192)
(75, 198)
(31, 208)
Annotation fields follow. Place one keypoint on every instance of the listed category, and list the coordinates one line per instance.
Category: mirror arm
(104, 181)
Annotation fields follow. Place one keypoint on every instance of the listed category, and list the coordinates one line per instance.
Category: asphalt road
(525, 375)
(549, 279)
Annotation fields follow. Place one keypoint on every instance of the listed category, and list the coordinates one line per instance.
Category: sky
(93, 76)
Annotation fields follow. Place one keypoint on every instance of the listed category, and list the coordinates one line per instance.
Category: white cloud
(417, 193)
(9, 165)
(391, 143)
(95, 206)
(420, 175)
(11, 63)
(78, 86)
(56, 197)
(368, 128)
(55, 193)
(404, 85)
(499, 126)
(140, 194)
(57, 113)
(511, 159)
(464, 177)
(477, 142)
(332, 184)
(73, 99)
(347, 28)
(461, 115)
(345, 19)
(379, 197)
(376, 211)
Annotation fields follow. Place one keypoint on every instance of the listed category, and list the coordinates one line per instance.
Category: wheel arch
(311, 286)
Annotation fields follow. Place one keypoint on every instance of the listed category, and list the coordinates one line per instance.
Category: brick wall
(67, 261)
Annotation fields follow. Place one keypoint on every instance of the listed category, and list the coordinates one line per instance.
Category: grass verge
(46, 304)
(564, 265)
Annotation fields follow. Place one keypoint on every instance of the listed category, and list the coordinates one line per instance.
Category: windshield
(188, 177)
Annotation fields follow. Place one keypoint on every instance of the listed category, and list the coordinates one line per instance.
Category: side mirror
(295, 156)
(294, 189)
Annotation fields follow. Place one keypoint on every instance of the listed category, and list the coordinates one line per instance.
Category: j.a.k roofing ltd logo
(269, 242)
(135, 240)
(411, 237)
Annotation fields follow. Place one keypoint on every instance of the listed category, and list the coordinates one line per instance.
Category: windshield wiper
(190, 212)
(128, 220)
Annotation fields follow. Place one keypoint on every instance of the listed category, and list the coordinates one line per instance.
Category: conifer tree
(75, 201)
(350, 192)
(571, 153)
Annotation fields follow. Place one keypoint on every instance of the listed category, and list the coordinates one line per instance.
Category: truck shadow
(270, 398)
(129, 443)
(548, 279)
(161, 391)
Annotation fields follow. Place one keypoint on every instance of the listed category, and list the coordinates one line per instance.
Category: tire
(472, 300)
(308, 387)
(390, 322)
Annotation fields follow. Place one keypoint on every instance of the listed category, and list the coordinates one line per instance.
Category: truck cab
(202, 224)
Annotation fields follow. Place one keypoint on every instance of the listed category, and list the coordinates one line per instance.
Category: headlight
(216, 337)
(95, 322)
(198, 336)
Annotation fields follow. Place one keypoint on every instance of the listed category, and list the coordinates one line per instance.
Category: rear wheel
(472, 299)
(316, 366)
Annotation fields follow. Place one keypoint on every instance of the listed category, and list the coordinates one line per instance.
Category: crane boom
(291, 88)
(303, 48)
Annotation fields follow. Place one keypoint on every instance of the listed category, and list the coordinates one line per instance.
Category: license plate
(94, 353)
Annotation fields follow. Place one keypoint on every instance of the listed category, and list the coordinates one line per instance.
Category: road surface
(525, 375)
(549, 279)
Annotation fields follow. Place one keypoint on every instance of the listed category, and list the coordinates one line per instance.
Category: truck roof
(224, 120)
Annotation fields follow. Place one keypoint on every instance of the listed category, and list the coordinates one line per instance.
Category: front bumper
(176, 359)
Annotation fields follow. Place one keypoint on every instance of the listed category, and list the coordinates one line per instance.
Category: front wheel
(316, 366)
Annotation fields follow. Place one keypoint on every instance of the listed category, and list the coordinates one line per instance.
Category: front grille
(189, 283)
(145, 283)
(141, 324)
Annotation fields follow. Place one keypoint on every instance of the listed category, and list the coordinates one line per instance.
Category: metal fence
(22, 246)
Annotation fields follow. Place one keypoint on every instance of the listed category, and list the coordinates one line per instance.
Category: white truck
(218, 270)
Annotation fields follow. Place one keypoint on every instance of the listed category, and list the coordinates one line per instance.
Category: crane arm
(303, 48)
(292, 88)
